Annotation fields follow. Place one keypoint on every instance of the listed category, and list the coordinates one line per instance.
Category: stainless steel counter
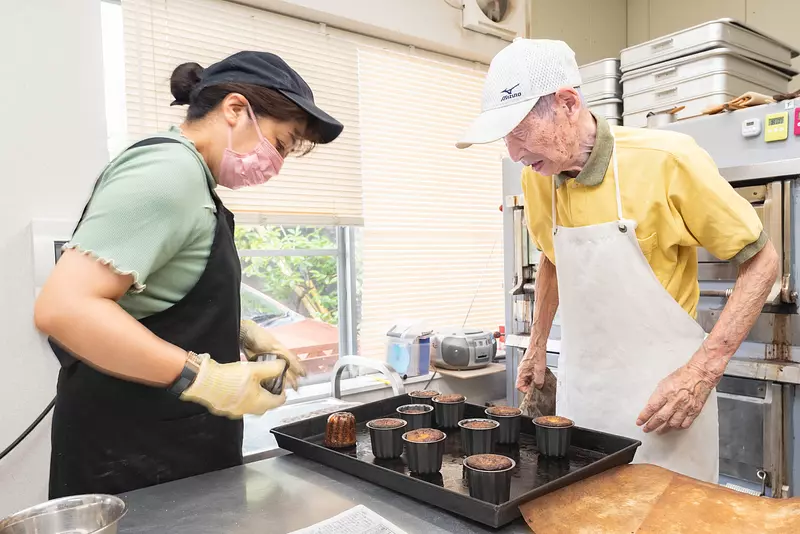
(276, 496)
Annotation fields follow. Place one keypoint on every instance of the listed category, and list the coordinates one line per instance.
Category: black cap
(270, 71)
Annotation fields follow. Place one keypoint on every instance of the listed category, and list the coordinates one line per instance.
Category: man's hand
(256, 341)
(531, 369)
(679, 397)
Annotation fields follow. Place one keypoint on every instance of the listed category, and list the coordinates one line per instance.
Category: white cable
(480, 282)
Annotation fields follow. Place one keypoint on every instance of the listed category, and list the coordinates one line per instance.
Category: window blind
(432, 240)
(322, 188)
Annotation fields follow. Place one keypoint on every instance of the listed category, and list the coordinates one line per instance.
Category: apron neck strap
(615, 168)
(616, 180)
(553, 202)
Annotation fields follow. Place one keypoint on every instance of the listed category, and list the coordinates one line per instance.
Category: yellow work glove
(256, 341)
(234, 389)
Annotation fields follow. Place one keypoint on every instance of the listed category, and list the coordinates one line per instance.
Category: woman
(151, 278)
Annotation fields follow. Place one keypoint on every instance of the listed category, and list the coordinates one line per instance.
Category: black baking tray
(591, 453)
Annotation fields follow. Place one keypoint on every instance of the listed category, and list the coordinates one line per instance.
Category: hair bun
(184, 79)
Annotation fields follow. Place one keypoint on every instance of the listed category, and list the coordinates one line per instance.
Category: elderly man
(619, 214)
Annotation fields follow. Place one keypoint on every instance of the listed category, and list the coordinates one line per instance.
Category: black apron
(111, 435)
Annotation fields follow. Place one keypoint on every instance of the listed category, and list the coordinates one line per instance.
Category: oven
(771, 202)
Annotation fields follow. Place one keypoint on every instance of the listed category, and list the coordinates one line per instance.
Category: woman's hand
(234, 389)
(256, 341)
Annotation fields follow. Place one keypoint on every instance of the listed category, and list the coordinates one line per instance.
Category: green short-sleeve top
(152, 216)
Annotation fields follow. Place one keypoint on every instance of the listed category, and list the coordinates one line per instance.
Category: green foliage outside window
(306, 284)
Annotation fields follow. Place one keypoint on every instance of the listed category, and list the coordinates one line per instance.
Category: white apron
(621, 334)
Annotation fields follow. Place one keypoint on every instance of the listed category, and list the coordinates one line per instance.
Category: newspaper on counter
(356, 520)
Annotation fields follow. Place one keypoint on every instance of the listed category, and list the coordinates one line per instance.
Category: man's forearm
(545, 304)
(753, 283)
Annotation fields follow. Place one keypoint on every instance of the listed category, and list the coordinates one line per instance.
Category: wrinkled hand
(531, 369)
(256, 341)
(678, 399)
(234, 389)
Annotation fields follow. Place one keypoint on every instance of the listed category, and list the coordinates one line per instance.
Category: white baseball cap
(518, 76)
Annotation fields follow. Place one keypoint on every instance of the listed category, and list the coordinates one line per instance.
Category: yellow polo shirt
(670, 186)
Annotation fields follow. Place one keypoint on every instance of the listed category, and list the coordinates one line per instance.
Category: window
(291, 286)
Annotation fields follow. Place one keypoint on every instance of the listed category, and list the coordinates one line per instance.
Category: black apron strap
(144, 142)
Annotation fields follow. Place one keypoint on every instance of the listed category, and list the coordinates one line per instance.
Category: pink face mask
(254, 168)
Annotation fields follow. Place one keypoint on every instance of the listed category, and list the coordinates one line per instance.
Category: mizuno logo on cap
(509, 93)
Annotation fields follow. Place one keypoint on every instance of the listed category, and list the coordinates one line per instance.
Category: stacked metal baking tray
(602, 90)
(700, 67)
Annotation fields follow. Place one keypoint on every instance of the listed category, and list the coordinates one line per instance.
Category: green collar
(595, 168)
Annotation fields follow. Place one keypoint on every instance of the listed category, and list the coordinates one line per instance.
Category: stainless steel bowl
(657, 120)
(82, 514)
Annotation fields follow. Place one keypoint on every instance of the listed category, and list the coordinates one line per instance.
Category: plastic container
(722, 33)
(408, 348)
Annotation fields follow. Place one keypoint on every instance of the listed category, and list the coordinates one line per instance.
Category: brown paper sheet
(539, 402)
(691, 506)
(645, 499)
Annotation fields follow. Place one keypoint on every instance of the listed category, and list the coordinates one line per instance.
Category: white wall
(52, 144)
(430, 24)
(649, 19)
